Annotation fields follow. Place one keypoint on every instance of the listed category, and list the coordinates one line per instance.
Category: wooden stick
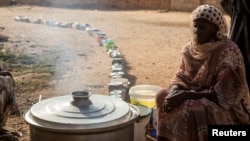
(151, 138)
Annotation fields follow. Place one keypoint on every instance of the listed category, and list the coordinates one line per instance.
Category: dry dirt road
(149, 41)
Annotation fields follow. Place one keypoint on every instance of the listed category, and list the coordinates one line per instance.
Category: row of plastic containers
(143, 96)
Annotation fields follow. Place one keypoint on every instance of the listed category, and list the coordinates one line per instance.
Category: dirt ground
(149, 41)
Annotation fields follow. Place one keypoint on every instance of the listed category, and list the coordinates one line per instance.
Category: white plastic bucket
(140, 126)
(143, 95)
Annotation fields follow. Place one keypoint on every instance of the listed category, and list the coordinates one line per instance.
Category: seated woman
(209, 87)
(8, 106)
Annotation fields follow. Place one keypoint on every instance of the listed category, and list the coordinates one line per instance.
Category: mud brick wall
(190, 5)
(178, 5)
(121, 4)
(184, 5)
(139, 4)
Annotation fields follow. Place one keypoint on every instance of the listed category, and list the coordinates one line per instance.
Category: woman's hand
(174, 100)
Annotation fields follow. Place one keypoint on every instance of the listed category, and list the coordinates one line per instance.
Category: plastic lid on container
(116, 92)
(144, 90)
(123, 80)
(144, 111)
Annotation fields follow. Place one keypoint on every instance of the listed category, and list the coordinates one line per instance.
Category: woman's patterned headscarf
(213, 15)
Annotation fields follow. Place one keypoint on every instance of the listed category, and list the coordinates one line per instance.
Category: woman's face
(204, 31)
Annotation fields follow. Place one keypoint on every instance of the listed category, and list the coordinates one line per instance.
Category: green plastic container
(110, 45)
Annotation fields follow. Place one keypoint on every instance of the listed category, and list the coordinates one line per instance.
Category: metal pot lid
(81, 110)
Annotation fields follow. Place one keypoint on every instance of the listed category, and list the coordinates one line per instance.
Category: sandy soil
(149, 41)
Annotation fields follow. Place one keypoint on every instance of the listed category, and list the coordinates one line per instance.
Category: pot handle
(135, 112)
(81, 98)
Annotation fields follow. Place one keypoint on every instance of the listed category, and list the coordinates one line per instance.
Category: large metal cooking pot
(82, 117)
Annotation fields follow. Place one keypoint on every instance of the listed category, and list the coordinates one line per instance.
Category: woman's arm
(177, 95)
